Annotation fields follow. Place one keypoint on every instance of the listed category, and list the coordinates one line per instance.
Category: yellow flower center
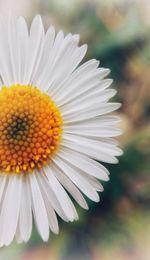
(30, 129)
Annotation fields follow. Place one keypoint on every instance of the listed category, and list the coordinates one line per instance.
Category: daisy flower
(54, 128)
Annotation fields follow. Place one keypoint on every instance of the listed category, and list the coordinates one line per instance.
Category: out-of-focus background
(117, 228)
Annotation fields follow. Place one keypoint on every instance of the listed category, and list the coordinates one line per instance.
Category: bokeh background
(117, 228)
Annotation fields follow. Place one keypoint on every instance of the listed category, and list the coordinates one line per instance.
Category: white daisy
(53, 128)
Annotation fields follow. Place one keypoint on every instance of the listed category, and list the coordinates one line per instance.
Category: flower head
(53, 128)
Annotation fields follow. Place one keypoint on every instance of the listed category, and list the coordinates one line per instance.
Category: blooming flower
(53, 128)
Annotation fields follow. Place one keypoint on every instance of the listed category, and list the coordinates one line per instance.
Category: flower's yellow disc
(30, 128)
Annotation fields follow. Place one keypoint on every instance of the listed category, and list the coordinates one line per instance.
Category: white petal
(91, 111)
(68, 64)
(52, 219)
(82, 103)
(96, 184)
(34, 47)
(94, 95)
(84, 163)
(63, 63)
(10, 208)
(92, 79)
(14, 49)
(25, 216)
(71, 188)
(93, 123)
(45, 74)
(62, 196)
(45, 186)
(64, 89)
(23, 46)
(5, 62)
(39, 210)
(94, 132)
(47, 49)
(84, 107)
(76, 178)
(93, 148)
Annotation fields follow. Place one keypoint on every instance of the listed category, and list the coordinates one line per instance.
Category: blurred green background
(117, 228)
